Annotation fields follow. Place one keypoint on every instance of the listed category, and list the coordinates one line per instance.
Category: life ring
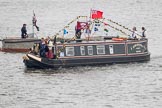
(118, 39)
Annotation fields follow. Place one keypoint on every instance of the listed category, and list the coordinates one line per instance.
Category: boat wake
(157, 57)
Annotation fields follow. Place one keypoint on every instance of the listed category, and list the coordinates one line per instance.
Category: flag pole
(33, 23)
(63, 35)
(90, 14)
(89, 24)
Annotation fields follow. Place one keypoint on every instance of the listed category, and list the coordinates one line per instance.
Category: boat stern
(34, 61)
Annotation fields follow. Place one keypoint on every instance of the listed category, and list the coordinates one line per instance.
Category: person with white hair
(134, 33)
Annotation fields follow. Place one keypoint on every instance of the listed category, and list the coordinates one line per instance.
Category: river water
(131, 85)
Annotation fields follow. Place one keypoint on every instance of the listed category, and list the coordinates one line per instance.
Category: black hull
(57, 63)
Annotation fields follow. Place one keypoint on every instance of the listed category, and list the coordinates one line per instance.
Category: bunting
(106, 30)
(95, 29)
(65, 31)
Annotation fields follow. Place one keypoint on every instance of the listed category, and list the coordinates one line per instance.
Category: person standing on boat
(134, 33)
(24, 31)
(143, 32)
(49, 52)
(35, 22)
(48, 40)
(77, 33)
(42, 48)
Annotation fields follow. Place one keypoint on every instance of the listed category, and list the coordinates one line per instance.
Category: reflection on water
(130, 85)
(116, 85)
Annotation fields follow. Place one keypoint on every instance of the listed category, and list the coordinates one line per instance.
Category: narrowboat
(91, 53)
(90, 50)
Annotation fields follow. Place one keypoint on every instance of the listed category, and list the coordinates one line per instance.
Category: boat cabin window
(100, 49)
(82, 50)
(111, 49)
(90, 50)
(61, 54)
(69, 51)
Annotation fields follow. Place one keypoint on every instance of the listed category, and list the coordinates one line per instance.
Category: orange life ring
(118, 39)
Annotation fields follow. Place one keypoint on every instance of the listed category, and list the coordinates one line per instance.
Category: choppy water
(133, 85)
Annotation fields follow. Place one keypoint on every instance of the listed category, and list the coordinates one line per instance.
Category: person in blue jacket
(42, 48)
(24, 31)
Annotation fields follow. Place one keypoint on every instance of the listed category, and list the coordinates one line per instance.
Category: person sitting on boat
(35, 49)
(24, 31)
(143, 32)
(134, 33)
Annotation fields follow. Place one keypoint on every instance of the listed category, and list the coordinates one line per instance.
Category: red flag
(96, 14)
(81, 25)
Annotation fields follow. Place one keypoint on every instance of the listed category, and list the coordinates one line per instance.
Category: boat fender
(118, 39)
(25, 58)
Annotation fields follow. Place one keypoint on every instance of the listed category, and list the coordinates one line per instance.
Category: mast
(33, 24)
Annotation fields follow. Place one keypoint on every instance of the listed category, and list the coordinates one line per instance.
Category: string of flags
(96, 15)
(67, 26)
(121, 25)
(83, 25)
